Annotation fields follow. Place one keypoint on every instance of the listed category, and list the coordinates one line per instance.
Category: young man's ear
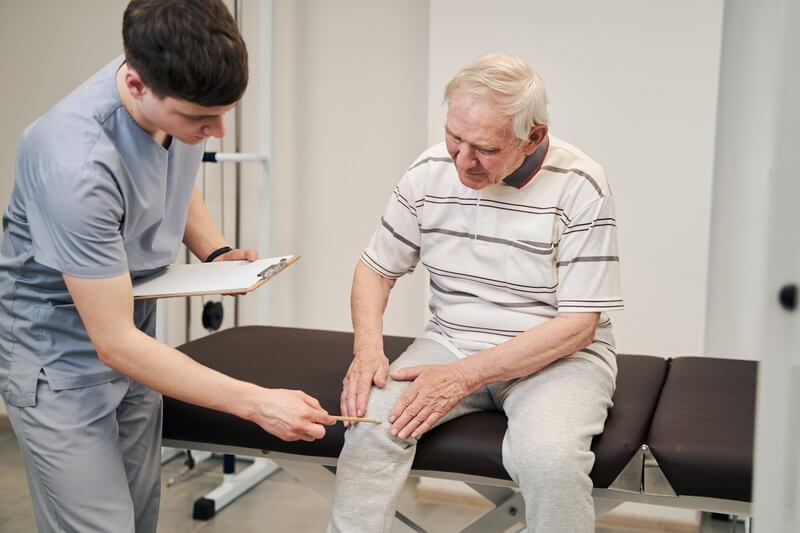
(134, 83)
(537, 136)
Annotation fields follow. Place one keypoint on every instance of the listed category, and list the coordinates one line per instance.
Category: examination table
(680, 432)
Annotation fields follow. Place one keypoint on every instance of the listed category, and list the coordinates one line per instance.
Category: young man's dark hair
(186, 49)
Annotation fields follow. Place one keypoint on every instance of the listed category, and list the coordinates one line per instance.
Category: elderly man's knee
(550, 461)
(365, 437)
(382, 400)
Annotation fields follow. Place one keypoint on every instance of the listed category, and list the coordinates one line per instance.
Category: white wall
(771, 41)
(47, 49)
(745, 154)
(633, 83)
(350, 116)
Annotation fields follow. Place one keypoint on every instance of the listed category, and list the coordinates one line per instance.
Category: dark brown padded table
(315, 361)
(702, 432)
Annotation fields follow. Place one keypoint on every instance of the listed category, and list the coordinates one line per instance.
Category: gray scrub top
(94, 197)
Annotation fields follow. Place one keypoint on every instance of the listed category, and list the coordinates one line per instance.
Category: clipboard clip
(272, 269)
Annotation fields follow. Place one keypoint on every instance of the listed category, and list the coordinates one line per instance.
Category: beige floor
(278, 504)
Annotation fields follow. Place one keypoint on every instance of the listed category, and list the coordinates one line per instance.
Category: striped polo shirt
(511, 256)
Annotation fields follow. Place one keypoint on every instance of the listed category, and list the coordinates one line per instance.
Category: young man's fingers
(239, 254)
(321, 416)
(315, 431)
(310, 400)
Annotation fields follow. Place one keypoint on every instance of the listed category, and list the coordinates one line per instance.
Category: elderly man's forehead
(477, 114)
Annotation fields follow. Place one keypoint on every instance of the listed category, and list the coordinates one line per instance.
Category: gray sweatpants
(552, 417)
(93, 456)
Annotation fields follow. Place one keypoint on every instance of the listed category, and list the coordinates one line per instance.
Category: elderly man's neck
(529, 167)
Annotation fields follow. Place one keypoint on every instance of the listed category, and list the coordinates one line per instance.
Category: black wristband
(218, 252)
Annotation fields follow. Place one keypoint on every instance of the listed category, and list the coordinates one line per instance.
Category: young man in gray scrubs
(104, 193)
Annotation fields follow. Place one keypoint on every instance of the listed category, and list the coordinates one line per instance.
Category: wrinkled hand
(238, 254)
(370, 366)
(291, 415)
(436, 390)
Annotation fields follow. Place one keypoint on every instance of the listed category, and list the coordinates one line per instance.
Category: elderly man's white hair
(511, 83)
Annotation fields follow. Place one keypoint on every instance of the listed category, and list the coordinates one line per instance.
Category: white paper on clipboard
(220, 277)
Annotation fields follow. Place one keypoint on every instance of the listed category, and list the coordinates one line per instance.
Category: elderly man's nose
(465, 158)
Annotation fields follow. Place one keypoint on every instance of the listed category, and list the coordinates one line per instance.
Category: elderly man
(517, 231)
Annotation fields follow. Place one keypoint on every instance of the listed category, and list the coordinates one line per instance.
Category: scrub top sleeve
(588, 261)
(75, 224)
(394, 247)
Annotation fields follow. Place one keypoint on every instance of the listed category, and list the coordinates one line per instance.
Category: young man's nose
(215, 128)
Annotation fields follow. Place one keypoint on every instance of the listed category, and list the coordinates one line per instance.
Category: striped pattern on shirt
(503, 260)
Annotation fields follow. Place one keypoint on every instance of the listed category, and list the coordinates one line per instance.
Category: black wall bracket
(788, 297)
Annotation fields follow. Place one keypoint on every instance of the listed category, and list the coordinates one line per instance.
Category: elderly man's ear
(537, 136)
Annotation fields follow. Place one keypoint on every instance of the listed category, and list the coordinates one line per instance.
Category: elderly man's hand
(369, 366)
(436, 390)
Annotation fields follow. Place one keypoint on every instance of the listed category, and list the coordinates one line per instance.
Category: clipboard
(200, 279)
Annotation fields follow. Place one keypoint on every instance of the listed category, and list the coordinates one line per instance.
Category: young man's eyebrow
(197, 115)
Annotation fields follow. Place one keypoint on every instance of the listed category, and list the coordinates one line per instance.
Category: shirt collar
(529, 167)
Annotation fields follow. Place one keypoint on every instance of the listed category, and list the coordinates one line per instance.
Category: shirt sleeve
(588, 261)
(75, 223)
(394, 247)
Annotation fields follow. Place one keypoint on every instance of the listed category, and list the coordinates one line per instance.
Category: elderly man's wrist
(366, 349)
(469, 375)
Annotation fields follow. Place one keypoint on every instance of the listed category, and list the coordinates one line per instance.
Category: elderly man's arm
(438, 388)
(370, 365)
(532, 351)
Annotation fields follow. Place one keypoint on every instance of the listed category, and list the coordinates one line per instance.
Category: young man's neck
(129, 103)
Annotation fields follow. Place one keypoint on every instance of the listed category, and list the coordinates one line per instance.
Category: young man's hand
(290, 415)
(238, 254)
